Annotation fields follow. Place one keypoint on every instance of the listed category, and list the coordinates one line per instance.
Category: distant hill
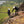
(11, 0)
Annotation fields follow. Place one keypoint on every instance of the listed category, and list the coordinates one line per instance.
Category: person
(16, 10)
(9, 11)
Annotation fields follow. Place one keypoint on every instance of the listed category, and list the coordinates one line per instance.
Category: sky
(1, 2)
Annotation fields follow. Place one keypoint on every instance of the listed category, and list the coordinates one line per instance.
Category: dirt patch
(6, 18)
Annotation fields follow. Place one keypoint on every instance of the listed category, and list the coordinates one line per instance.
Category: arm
(13, 9)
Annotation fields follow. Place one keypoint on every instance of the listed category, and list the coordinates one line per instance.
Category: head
(8, 8)
(13, 6)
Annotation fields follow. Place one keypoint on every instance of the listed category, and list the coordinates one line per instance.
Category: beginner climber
(9, 11)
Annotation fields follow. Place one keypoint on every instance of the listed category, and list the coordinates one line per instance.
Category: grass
(2, 15)
(5, 9)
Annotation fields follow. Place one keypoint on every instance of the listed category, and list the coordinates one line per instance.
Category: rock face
(21, 7)
(16, 20)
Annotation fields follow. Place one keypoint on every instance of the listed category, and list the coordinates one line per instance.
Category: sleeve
(13, 9)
